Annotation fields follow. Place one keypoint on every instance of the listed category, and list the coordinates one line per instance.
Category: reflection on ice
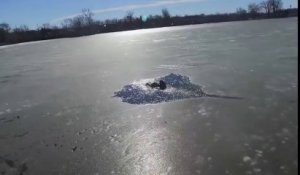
(178, 87)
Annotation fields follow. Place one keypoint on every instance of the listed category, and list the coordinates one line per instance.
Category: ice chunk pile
(178, 87)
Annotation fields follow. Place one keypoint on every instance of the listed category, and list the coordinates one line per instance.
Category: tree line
(85, 24)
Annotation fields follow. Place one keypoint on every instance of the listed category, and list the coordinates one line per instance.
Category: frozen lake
(58, 114)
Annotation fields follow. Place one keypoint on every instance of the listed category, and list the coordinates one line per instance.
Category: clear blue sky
(37, 12)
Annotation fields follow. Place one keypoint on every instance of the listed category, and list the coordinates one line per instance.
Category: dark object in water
(168, 88)
(161, 85)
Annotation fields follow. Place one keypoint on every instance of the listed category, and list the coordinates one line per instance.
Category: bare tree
(66, 24)
(241, 11)
(275, 5)
(166, 16)
(4, 30)
(88, 16)
(21, 29)
(165, 13)
(82, 20)
(45, 26)
(78, 22)
(267, 6)
(5, 27)
(253, 9)
(271, 6)
(129, 16)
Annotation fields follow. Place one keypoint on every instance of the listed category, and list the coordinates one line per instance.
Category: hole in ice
(178, 87)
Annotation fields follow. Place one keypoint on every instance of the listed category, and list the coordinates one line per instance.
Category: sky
(34, 13)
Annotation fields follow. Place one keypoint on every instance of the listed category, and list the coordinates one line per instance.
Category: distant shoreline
(5, 45)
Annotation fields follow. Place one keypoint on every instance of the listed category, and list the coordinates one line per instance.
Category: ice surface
(59, 98)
